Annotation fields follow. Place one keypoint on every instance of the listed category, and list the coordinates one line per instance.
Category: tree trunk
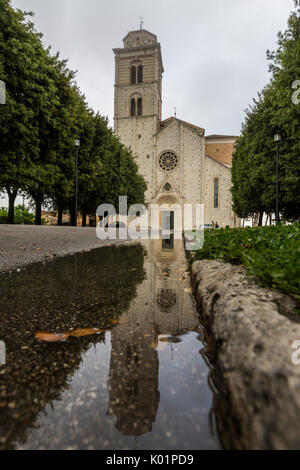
(267, 220)
(59, 214)
(11, 205)
(260, 220)
(84, 216)
(38, 209)
(72, 214)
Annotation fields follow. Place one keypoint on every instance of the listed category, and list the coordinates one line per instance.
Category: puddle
(138, 384)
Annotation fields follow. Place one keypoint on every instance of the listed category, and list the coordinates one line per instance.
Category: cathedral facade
(180, 164)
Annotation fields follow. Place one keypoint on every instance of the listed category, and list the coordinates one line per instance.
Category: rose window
(168, 161)
(166, 299)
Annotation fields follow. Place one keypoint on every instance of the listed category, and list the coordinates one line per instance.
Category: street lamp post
(23, 210)
(77, 146)
(277, 139)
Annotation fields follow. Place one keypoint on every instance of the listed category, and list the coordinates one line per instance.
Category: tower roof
(142, 34)
(139, 40)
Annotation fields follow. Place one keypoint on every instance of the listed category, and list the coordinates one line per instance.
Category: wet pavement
(21, 245)
(140, 383)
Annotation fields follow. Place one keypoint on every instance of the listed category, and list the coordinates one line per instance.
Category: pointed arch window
(140, 74)
(133, 75)
(216, 193)
(139, 107)
(132, 107)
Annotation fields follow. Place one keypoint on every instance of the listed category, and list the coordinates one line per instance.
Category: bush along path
(271, 254)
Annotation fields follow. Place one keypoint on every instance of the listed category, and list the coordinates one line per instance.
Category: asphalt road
(21, 245)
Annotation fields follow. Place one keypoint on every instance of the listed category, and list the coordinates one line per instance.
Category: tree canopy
(274, 110)
(44, 113)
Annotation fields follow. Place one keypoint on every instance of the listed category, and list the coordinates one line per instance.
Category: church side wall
(220, 151)
(223, 214)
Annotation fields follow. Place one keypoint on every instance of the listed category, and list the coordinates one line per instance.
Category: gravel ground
(22, 245)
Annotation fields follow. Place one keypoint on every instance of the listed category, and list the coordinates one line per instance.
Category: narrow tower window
(132, 108)
(216, 193)
(140, 74)
(139, 107)
(133, 75)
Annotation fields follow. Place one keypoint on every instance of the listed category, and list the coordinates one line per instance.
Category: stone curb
(249, 337)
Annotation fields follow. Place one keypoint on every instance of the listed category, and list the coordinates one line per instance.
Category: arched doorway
(169, 213)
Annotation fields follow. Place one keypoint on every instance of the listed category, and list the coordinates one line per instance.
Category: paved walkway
(21, 245)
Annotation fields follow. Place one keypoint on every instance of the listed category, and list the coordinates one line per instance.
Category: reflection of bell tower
(161, 307)
(134, 395)
(138, 96)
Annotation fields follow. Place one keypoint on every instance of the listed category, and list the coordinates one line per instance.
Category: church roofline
(220, 163)
(220, 137)
(166, 122)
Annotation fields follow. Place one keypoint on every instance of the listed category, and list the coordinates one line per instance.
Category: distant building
(180, 164)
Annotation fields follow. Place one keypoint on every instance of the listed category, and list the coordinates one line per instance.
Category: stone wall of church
(148, 93)
(137, 134)
(189, 147)
(220, 150)
(224, 214)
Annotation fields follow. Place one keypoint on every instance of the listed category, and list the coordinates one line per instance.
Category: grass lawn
(272, 254)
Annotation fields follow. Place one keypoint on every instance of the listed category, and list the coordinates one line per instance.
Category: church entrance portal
(168, 220)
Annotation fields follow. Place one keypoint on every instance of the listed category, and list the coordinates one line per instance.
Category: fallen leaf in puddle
(117, 321)
(79, 333)
(51, 337)
(85, 332)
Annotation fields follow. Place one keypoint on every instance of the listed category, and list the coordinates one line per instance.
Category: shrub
(272, 254)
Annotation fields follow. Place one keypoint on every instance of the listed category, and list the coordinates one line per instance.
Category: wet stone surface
(139, 384)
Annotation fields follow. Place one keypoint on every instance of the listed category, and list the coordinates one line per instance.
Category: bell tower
(138, 97)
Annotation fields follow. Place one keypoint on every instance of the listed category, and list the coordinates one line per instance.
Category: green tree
(19, 69)
(254, 160)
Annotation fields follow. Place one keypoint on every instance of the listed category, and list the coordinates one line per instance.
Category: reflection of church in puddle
(160, 308)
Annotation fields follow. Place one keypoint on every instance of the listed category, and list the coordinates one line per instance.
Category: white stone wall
(189, 146)
(224, 214)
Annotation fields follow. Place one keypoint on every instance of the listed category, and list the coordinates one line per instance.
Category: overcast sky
(214, 52)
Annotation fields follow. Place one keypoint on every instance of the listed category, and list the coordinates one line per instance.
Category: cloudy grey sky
(214, 52)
